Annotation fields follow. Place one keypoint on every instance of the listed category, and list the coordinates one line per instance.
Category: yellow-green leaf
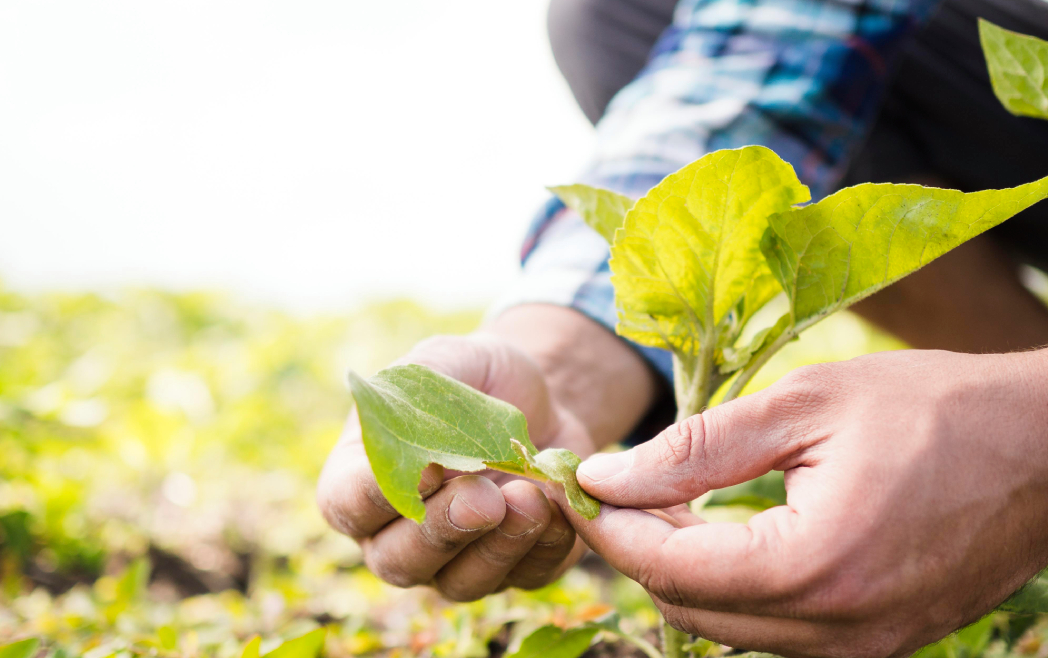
(306, 646)
(168, 638)
(20, 649)
(689, 250)
(1018, 66)
(851, 244)
(604, 210)
(553, 642)
(252, 647)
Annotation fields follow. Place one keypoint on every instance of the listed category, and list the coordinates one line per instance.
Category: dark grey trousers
(939, 117)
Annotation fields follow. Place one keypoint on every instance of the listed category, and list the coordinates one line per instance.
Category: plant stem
(673, 641)
(647, 647)
(746, 375)
(692, 383)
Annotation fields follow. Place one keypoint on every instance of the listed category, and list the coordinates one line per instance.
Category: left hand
(917, 501)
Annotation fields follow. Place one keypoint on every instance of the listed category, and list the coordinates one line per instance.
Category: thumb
(728, 444)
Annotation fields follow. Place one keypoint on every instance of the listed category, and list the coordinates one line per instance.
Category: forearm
(590, 372)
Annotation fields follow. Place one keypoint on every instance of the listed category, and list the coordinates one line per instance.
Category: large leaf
(1018, 67)
(689, 251)
(411, 416)
(604, 210)
(21, 649)
(553, 642)
(851, 244)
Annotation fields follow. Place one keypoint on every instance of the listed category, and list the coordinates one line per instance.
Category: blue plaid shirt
(802, 77)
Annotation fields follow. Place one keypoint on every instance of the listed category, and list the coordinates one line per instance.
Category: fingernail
(464, 516)
(601, 467)
(517, 523)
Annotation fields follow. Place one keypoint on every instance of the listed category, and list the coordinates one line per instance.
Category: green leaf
(553, 642)
(252, 647)
(1018, 67)
(306, 646)
(411, 416)
(604, 210)
(833, 253)
(21, 649)
(1031, 598)
(133, 582)
(168, 638)
(560, 465)
(689, 252)
(968, 642)
(766, 491)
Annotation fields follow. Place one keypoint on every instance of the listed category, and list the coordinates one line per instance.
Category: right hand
(482, 533)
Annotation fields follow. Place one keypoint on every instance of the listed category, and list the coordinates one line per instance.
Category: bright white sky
(313, 154)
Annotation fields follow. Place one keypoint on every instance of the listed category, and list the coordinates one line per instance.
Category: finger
(680, 516)
(349, 496)
(754, 567)
(728, 444)
(482, 566)
(406, 553)
(555, 550)
(778, 635)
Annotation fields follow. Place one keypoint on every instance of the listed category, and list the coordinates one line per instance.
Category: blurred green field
(158, 454)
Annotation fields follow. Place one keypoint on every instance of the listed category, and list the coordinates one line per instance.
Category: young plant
(694, 263)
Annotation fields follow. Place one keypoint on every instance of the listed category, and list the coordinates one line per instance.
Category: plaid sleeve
(802, 77)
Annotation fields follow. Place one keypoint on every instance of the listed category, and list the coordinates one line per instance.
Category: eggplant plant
(699, 264)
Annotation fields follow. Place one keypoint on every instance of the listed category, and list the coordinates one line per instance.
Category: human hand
(481, 534)
(917, 498)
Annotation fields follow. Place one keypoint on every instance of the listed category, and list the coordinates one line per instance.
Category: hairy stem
(673, 641)
(647, 647)
(749, 371)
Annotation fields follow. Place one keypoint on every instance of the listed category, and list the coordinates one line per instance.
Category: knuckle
(659, 582)
(497, 556)
(438, 538)
(388, 571)
(872, 643)
(685, 442)
(804, 387)
(675, 616)
(458, 592)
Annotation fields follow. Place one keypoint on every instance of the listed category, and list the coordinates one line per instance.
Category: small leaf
(306, 646)
(766, 491)
(604, 210)
(1032, 598)
(560, 465)
(132, 583)
(855, 242)
(736, 359)
(1018, 66)
(168, 638)
(689, 251)
(21, 649)
(252, 647)
(553, 642)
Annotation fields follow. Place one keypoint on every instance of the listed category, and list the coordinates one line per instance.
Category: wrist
(590, 372)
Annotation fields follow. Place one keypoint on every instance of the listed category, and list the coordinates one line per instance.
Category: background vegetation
(158, 454)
